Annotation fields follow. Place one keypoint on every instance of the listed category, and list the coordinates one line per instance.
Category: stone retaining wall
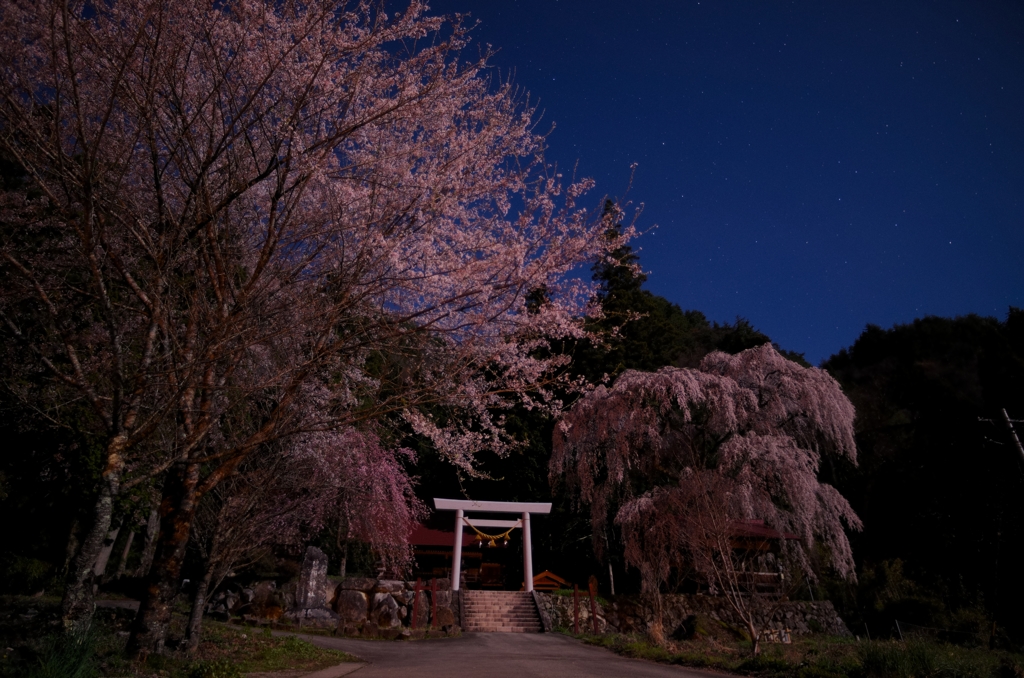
(383, 607)
(559, 610)
(355, 606)
(626, 614)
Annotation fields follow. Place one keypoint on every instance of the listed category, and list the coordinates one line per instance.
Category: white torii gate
(460, 506)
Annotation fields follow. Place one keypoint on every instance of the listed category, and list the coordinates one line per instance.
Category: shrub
(68, 656)
(1008, 668)
(24, 575)
(898, 660)
(921, 659)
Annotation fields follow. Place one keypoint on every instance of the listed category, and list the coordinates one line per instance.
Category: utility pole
(1020, 450)
(1013, 433)
(1009, 426)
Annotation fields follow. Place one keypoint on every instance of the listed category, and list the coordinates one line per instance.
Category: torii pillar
(460, 506)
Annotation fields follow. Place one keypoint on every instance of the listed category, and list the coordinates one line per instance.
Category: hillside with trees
(940, 483)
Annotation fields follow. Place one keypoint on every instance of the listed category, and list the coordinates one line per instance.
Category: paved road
(497, 655)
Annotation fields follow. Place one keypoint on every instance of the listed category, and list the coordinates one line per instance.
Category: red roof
(424, 536)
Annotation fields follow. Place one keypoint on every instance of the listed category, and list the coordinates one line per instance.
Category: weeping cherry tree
(686, 461)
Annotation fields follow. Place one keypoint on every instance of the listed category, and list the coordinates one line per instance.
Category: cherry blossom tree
(684, 459)
(250, 202)
(282, 494)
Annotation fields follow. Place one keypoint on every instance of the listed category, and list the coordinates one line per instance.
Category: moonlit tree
(685, 459)
(248, 202)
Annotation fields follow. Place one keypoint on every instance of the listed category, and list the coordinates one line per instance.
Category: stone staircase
(501, 611)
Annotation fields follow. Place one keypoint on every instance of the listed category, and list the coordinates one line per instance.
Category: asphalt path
(497, 655)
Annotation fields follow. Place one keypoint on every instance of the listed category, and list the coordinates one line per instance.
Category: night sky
(810, 166)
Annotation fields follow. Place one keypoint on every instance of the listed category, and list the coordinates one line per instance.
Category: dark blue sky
(810, 166)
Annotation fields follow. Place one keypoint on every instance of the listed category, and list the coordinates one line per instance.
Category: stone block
(331, 592)
(352, 606)
(384, 611)
(357, 584)
(265, 595)
(389, 586)
(445, 617)
(422, 610)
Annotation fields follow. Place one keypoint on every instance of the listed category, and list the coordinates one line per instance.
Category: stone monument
(311, 592)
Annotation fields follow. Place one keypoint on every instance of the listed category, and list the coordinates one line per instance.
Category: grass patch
(65, 656)
(33, 647)
(823, 657)
(921, 658)
(258, 650)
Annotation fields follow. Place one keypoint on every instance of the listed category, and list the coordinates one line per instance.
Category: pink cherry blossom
(682, 457)
(244, 221)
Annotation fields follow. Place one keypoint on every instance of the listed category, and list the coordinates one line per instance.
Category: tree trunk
(104, 556)
(177, 510)
(341, 542)
(755, 639)
(72, 547)
(78, 605)
(149, 546)
(194, 629)
(193, 632)
(656, 629)
(124, 555)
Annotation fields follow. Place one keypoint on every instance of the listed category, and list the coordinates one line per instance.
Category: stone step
(502, 609)
(496, 625)
(498, 597)
(507, 595)
(500, 612)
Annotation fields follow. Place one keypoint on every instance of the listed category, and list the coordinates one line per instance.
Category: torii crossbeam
(460, 506)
